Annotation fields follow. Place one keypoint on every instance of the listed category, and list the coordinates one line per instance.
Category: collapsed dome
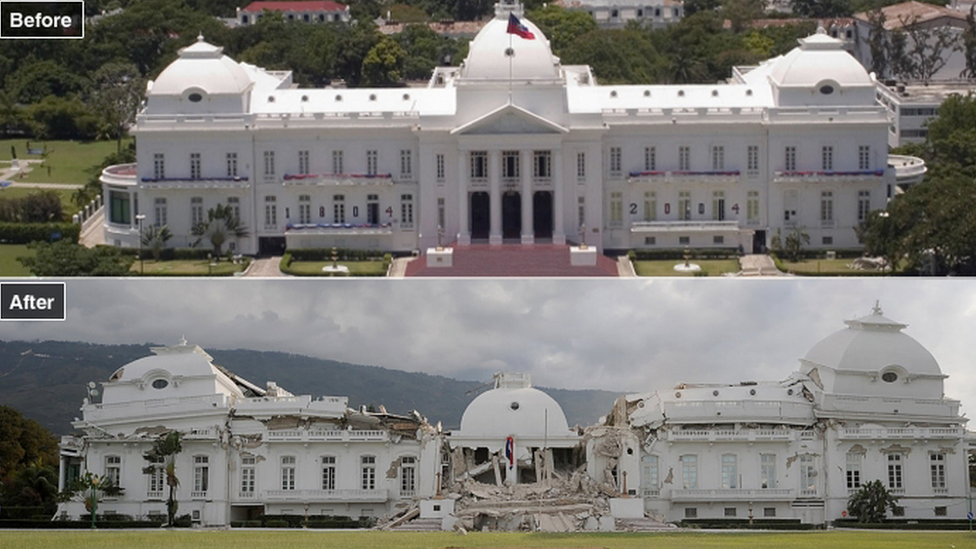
(513, 410)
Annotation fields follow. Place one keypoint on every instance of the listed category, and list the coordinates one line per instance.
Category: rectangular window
(718, 239)
(767, 471)
(160, 206)
(650, 240)
(581, 166)
(269, 164)
(439, 160)
(510, 165)
(684, 205)
(113, 469)
(196, 210)
(157, 480)
(937, 468)
(231, 164)
(303, 162)
(581, 211)
(730, 512)
(689, 472)
(479, 165)
(542, 164)
(406, 164)
(808, 476)
(684, 158)
(854, 470)
(730, 472)
(201, 474)
(791, 199)
(194, 165)
(827, 208)
(691, 512)
(895, 472)
(406, 211)
(304, 209)
(752, 159)
(650, 206)
(616, 162)
(616, 209)
(338, 168)
(718, 205)
(234, 203)
(119, 208)
(372, 162)
(769, 512)
(338, 208)
(441, 213)
(650, 471)
(288, 473)
(864, 157)
(863, 205)
(368, 473)
(372, 209)
(159, 166)
(898, 511)
(247, 476)
(328, 473)
(827, 158)
(270, 212)
(408, 475)
(718, 158)
(790, 163)
(650, 159)
(752, 206)
(941, 511)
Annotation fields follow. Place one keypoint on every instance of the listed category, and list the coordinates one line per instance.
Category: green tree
(154, 239)
(63, 258)
(221, 224)
(562, 27)
(163, 452)
(62, 118)
(36, 486)
(91, 488)
(383, 65)
(822, 8)
(791, 246)
(871, 502)
(24, 443)
(741, 13)
(969, 45)
(117, 96)
(618, 56)
(93, 187)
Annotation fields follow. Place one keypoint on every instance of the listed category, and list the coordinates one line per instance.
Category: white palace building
(867, 403)
(512, 146)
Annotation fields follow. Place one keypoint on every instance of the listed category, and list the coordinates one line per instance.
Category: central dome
(489, 58)
(514, 408)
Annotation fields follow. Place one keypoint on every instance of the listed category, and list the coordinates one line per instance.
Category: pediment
(509, 119)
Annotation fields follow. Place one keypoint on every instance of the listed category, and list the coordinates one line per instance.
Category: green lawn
(357, 268)
(67, 204)
(824, 267)
(222, 539)
(9, 266)
(70, 161)
(713, 267)
(187, 267)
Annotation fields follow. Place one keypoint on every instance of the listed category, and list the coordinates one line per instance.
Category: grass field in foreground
(187, 267)
(665, 267)
(222, 539)
(9, 266)
(70, 161)
(824, 267)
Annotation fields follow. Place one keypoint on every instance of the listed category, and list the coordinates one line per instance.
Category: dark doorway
(271, 245)
(759, 242)
(542, 214)
(480, 215)
(511, 215)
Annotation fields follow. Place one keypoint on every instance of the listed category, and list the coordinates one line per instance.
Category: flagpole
(510, 57)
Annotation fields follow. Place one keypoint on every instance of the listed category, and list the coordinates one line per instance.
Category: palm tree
(220, 225)
(164, 449)
(154, 238)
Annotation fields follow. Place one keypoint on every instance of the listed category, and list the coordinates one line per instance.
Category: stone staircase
(537, 260)
(642, 525)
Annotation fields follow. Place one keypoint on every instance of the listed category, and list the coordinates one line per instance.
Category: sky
(627, 336)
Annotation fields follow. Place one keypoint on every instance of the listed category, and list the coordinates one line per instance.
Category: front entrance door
(759, 242)
(542, 214)
(511, 215)
(480, 215)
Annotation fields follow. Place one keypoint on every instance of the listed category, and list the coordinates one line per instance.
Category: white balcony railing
(733, 494)
(902, 433)
(327, 495)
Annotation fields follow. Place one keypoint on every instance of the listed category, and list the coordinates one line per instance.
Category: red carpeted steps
(546, 260)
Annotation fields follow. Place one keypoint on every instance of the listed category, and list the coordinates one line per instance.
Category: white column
(558, 234)
(61, 474)
(528, 231)
(464, 228)
(495, 200)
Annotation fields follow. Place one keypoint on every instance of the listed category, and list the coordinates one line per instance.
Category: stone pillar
(558, 234)
(61, 474)
(528, 231)
(464, 228)
(495, 196)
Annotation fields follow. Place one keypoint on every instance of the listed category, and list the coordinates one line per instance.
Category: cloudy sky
(620, 335)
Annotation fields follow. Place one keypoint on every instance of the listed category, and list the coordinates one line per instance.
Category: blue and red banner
(510, 449)
(516, 27)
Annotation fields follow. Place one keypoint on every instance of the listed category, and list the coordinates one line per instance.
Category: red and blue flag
(516, 27)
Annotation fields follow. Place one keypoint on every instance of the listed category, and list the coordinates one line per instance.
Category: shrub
(25, 233)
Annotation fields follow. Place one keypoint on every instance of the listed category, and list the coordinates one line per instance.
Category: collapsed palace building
(867, 403)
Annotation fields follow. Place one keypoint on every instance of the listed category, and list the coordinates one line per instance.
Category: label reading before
(42, 19)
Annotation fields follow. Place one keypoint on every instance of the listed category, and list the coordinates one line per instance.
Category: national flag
(516, 27)
(510, 451)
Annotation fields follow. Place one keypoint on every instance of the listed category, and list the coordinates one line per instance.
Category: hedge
(77, 524)
(343, 254)
(679, 253)
(906, 524)
(25, 233)
(25, 512)
(167, 254)
(289, 257)
(841, 253)
(298, 521)
(742, 523)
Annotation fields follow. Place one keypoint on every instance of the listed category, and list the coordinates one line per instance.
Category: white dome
(871, 344)
(487, 59)
(203, 67)
(819, 60)
(519, 412)
(173, 364)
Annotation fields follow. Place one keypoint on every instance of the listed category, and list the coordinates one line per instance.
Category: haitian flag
(516, 27)
(510, 449)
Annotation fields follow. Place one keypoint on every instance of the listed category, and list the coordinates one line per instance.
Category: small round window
(195, 98)
(826, 89)
(160, 384)
(889, 377)
(514, 405)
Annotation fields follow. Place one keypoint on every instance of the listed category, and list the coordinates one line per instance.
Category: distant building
(615, 14)
(308, 11)
(911, 106)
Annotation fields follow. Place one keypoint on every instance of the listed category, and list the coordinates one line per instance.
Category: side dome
(202, 68)
(513, 408)
(494, 54)
(819, 61)
(873, 343)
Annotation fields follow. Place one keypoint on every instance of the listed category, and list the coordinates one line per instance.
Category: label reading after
(33, 301)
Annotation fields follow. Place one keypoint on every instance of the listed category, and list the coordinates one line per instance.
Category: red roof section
(311, 5)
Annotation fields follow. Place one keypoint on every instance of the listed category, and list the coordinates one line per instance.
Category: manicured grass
(665, 267)
(823, 267)
(9, 266)
(187, 267)
(356, 268)
(67, 204)
(221, 539)
(70, 161)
